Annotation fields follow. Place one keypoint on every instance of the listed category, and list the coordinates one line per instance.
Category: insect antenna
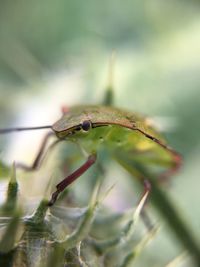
(18, 129)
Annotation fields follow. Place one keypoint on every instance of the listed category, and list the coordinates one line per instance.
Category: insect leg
(147, 188)
(72, 177)
(144, 215)
(177, 159)
(167, 174)
(37, 162)
(64, 109)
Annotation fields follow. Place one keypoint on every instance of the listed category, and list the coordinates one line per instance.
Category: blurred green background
(56, 52)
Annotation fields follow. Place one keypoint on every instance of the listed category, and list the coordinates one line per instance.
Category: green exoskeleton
(125, 135)
(133, 142)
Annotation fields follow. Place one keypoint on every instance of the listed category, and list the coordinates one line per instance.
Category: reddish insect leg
(145, 218)
(147, 188)
(37, 162)
(64, 110)
(176, 166)
(72, 177)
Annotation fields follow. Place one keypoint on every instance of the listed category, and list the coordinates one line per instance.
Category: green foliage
(4, 170)
(47, 238)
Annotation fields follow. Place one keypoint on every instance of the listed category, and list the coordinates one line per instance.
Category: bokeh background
(55, 53)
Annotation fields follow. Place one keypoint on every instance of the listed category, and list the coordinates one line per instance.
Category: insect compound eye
(86, 125)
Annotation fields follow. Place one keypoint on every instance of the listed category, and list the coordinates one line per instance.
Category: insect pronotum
(129, 139)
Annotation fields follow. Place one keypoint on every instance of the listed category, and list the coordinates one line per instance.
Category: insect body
(95, 126)
(124, 135)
